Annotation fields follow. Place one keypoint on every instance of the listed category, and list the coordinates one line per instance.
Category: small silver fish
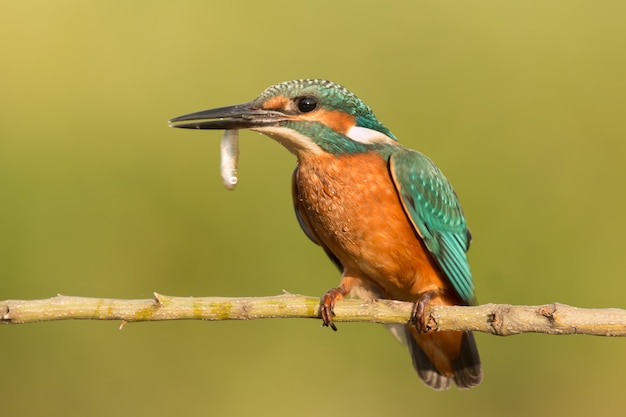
(229, 148)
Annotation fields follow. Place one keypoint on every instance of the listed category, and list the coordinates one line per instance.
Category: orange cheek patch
(275, 103)
(337, 120)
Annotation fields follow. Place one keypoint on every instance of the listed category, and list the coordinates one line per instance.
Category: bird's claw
(327, 306)
(418, 316)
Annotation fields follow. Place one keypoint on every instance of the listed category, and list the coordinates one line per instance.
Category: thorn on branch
(159, 299)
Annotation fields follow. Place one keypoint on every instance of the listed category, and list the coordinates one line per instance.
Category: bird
(384, 214)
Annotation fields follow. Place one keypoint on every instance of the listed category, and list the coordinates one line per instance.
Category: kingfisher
(385, 215)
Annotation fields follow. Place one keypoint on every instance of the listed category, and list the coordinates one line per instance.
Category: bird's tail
(442, 357)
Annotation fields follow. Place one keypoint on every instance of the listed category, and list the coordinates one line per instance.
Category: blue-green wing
(434, 209)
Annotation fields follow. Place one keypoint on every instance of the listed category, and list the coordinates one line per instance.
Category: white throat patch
(290, 139)
(368, 136)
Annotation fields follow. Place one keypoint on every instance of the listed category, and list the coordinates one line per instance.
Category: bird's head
(305, 116)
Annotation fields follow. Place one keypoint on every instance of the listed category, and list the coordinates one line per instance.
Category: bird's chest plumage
(353, 208)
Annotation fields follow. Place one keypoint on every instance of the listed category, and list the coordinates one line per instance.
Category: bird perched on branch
(384, 214)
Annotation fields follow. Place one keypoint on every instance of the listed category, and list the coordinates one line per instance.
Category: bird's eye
(307, 104)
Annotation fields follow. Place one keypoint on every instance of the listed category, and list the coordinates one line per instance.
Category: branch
(498, 319)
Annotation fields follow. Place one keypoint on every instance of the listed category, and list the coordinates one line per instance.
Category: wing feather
(433, 207)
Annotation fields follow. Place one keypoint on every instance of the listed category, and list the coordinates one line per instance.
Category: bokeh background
(520, 103)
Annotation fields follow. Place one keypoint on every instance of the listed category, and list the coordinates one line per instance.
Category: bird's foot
(418, 316)
(327, 306)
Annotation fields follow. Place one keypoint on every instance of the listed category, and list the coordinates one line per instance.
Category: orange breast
(353, 207)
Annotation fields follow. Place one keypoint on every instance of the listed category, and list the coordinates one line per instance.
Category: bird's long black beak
(240, 116)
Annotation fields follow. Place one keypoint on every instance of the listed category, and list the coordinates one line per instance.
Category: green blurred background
(520, 103)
